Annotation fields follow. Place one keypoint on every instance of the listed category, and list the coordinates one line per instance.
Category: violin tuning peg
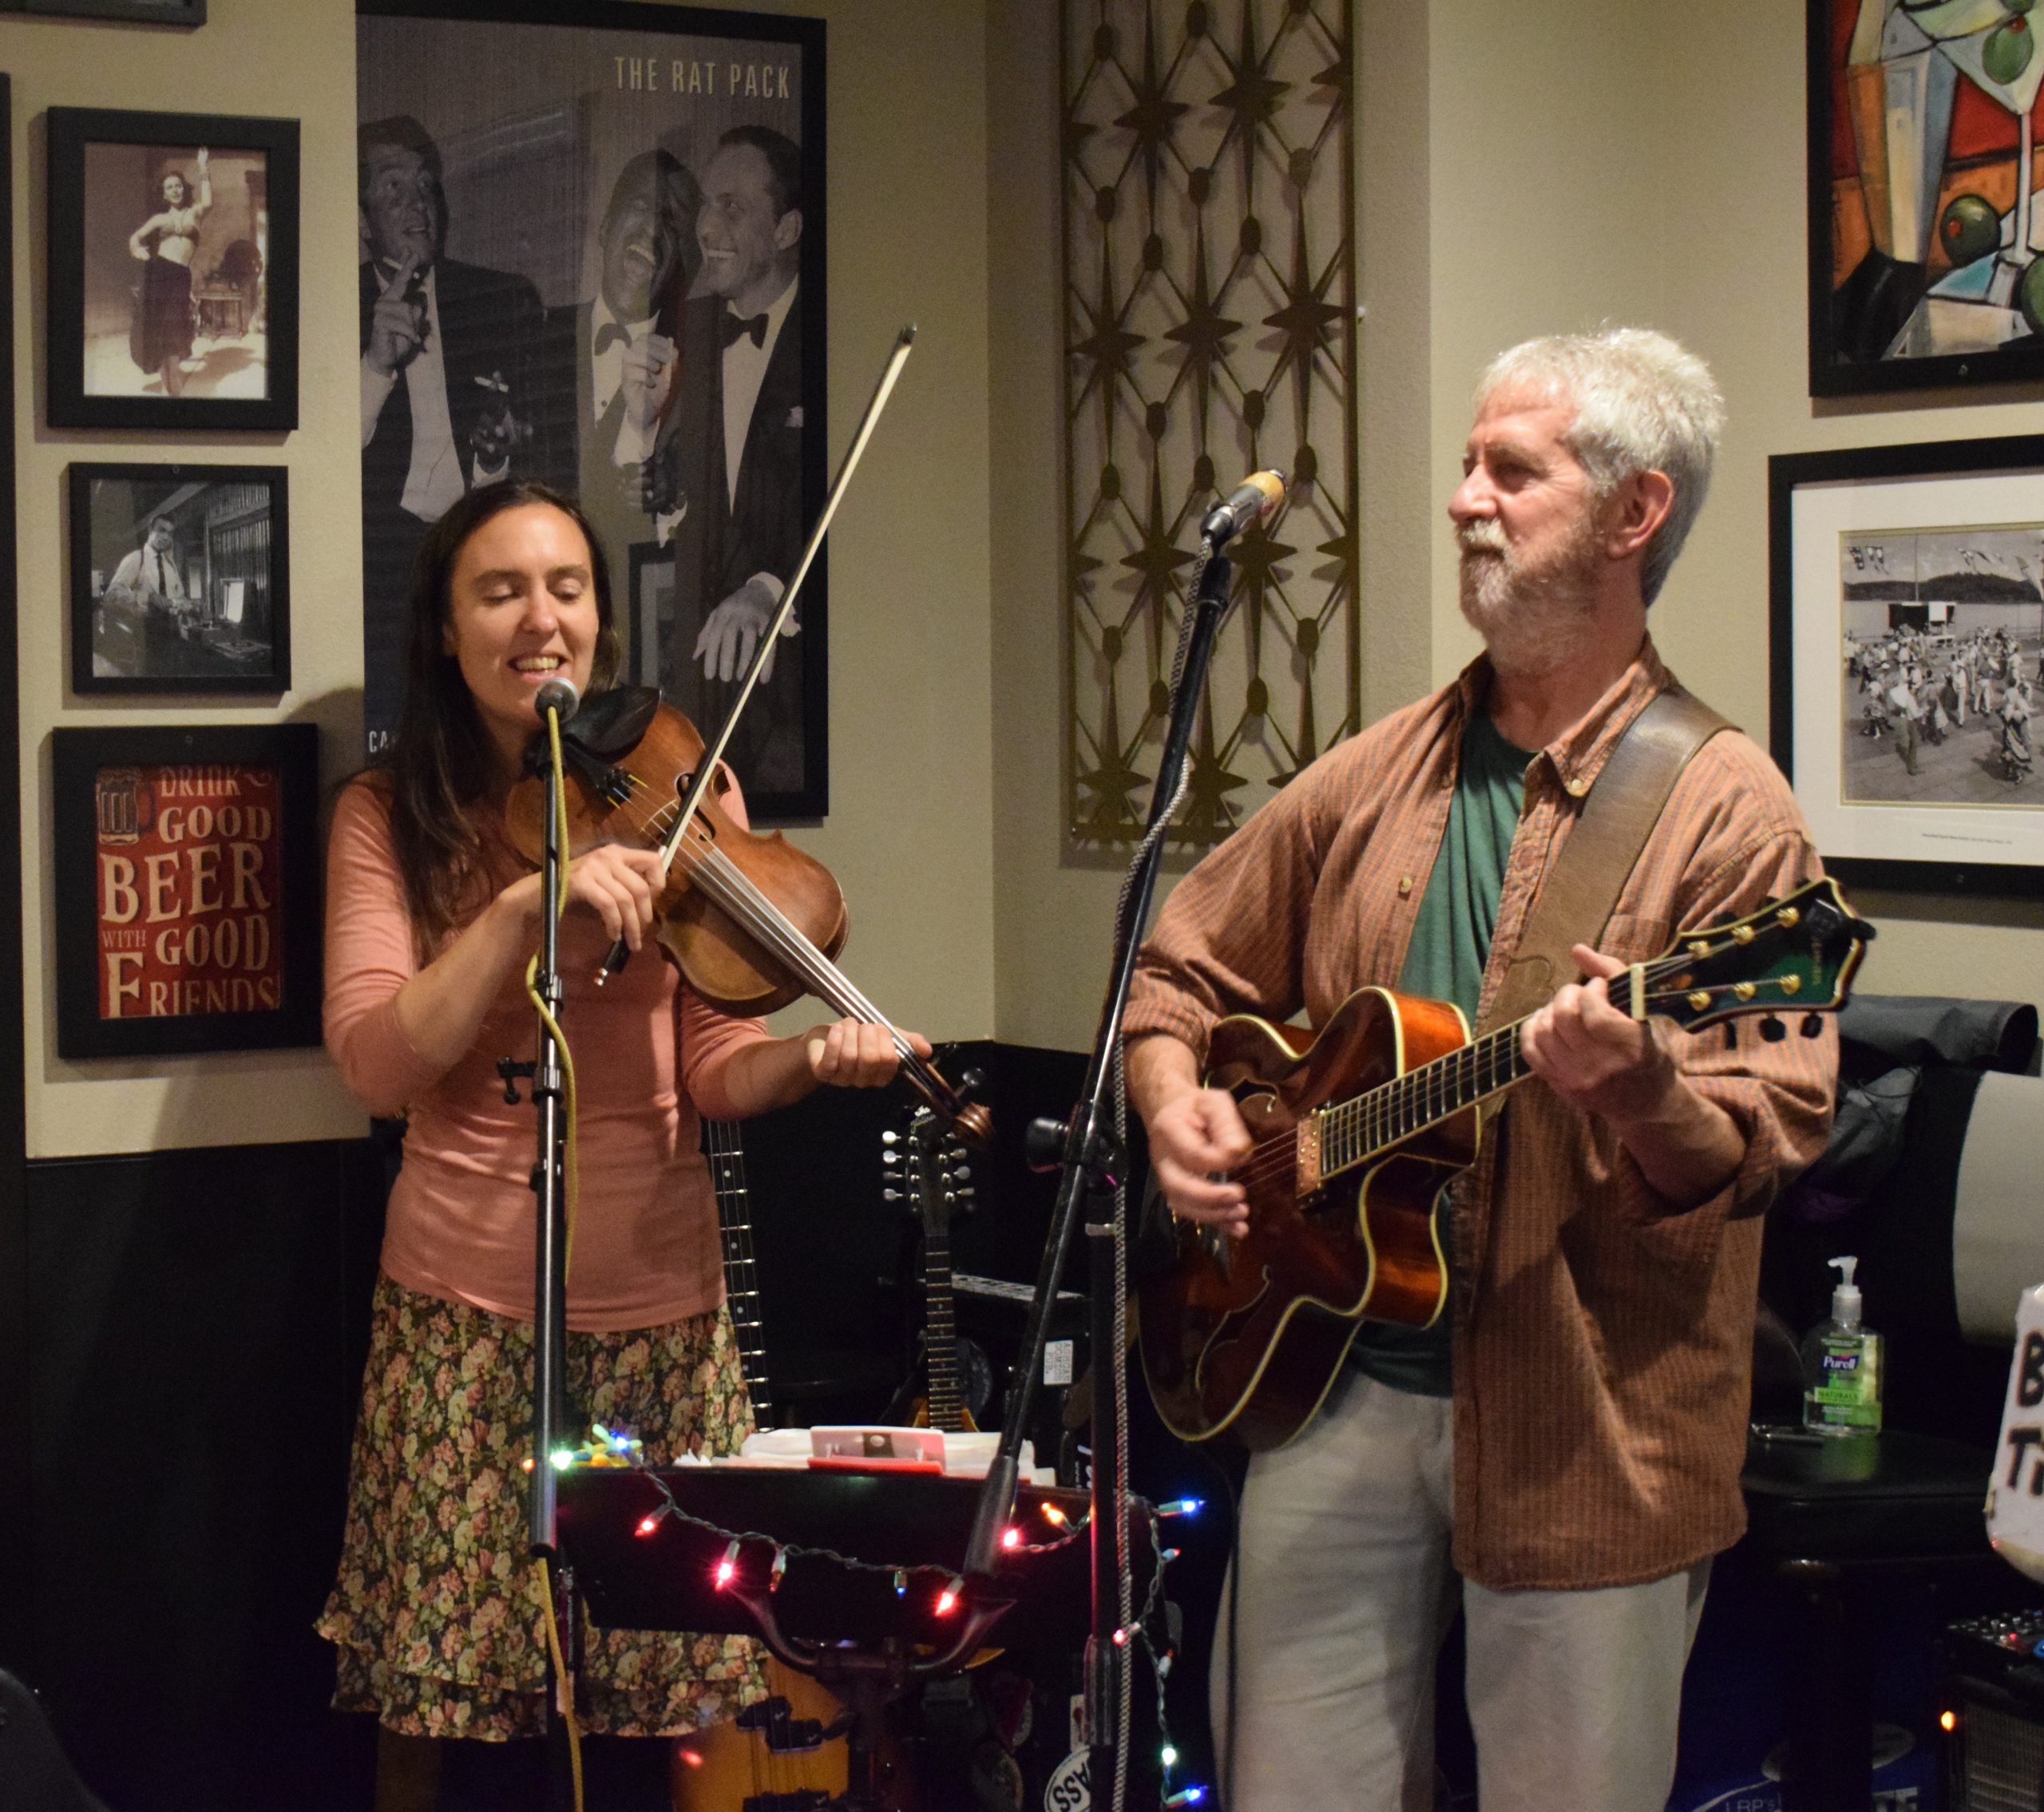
(974, 1080)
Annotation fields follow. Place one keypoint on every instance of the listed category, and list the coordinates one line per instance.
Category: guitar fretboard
(1353, 1131)
(929, 1180)
(726, 1158)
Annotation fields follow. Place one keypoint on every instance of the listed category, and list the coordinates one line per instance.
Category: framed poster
(181, 579)
(134, 12)
(1905, 597)
(187, 888)
(611, 230)
(1923, 241)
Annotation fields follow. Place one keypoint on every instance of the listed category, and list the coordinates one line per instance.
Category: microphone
(1259, 492)
(557, 695)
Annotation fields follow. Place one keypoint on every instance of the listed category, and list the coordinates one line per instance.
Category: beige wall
(1526, 166)
(1598, 158)
(908, 835)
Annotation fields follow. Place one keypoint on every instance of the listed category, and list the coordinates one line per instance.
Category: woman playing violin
(431, 917)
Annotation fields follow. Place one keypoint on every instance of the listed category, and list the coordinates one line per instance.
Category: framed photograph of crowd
(1906, 610)
(173, 270)
(181, 579)
(187, 877)
(597, 262)
(1924, 222)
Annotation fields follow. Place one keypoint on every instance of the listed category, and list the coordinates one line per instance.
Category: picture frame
(187, 888)
(181, 579)
(567, 174)
(1924, 270)
(131, 12)
(1905, 607)
(173, 270)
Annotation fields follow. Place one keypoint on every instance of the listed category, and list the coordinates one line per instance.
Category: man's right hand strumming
(1197, 1135)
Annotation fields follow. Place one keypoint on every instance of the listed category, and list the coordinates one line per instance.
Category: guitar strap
(1617, 816)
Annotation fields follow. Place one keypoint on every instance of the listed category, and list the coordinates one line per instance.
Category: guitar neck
(1358, 1129)
(947, 1404)
(726, 1157)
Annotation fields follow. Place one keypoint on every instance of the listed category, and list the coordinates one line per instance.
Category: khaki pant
(1344, 1592)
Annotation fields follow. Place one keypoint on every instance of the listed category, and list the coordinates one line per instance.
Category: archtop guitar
(1357, 1129)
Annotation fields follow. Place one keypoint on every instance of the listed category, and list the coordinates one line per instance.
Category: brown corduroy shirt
(1603, 1336)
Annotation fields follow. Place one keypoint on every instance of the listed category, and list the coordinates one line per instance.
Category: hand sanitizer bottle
(1842, 1365)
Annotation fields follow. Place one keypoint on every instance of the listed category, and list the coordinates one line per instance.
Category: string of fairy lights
(613, 1448)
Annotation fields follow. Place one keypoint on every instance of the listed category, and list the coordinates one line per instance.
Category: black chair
(34, 1776)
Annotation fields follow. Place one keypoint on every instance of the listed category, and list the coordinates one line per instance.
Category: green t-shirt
(1451, 945)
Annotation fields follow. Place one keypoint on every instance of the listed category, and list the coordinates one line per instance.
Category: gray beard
(1534, 619)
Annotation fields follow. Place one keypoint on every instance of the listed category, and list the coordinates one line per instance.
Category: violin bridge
(1306, 1165)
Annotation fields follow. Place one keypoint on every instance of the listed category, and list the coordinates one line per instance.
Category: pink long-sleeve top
(648, 1054)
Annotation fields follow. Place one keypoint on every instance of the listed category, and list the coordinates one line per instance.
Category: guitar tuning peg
(962, 1173)
(1812, 1025)
(890, 1195)
(890, 1157)
(890, 1138)
(1772, 1029)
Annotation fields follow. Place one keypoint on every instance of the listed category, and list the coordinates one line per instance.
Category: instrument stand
(551, 1426)
(1089, 1150)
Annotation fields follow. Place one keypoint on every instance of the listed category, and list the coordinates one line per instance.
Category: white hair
(1642, 404)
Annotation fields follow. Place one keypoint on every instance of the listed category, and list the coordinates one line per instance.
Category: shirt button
(1577, 786)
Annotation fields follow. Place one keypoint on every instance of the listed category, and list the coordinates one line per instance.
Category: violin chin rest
(610, 724)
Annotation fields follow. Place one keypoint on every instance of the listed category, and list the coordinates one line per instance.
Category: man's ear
(1635, 513)
(787, 230)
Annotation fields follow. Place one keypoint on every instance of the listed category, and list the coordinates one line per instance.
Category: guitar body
(1357, 1128)
(728, 1765)
(1247, 1336)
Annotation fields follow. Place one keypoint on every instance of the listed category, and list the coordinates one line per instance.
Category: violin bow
(904, 342)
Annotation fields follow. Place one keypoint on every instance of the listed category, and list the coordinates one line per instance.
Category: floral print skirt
(437, 1610)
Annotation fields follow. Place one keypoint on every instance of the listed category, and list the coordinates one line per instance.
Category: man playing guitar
(1566, 1437)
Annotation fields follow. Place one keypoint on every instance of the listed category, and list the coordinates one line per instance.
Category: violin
(751, 922)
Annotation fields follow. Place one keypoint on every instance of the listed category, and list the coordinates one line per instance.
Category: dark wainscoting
(196, 1325)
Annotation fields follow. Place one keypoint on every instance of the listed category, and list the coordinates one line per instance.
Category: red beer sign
(188, 864)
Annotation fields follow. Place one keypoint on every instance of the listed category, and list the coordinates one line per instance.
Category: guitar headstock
(1796, 954)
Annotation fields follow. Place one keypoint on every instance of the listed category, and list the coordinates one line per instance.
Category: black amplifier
(1993, 1696)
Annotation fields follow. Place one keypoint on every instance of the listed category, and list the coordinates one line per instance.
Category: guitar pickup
(1305, 1178)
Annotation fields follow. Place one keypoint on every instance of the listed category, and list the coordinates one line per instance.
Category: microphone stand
(1093, 1161)
(550, 1423)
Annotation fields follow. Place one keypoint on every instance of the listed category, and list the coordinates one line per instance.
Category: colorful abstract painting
(1924, 222)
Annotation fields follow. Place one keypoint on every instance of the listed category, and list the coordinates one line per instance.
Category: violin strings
(733, 890)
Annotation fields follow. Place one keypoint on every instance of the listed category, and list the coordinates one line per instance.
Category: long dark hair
(438, 768)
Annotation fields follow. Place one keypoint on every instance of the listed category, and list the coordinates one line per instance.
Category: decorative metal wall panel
(1210, 330)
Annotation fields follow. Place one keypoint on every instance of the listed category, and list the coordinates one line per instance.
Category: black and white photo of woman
(160, 338)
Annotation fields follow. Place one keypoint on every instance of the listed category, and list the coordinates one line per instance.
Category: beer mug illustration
(125, 804)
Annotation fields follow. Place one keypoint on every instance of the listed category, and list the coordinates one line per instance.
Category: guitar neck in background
(725, 1153)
